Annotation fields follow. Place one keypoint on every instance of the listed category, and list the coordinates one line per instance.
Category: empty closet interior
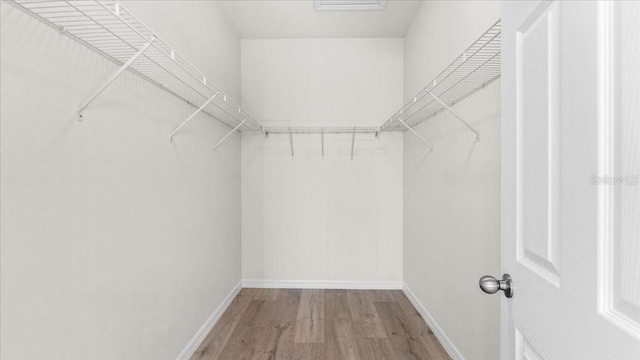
(158, 156)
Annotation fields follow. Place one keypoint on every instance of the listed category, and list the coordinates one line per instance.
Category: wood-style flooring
(320, 324)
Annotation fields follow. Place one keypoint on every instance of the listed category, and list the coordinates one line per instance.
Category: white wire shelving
(113, 31)
(474, 69)
(321, 130)
(110, 29)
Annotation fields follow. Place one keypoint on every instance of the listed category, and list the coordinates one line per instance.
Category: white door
(570, 167)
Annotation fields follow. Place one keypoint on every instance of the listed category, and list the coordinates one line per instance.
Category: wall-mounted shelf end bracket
(416, 134)
(291, 142)
(112, 78)
(322, 140)
(353, 142)
(192, 116)
(454, 114)
(229, 134)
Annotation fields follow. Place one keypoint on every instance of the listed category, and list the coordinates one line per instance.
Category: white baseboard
(208, 325)
(322, 284)
(433, 325)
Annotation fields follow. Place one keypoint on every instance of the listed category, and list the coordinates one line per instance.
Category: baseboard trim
(322, 284)
(437, 330)
(191, 348)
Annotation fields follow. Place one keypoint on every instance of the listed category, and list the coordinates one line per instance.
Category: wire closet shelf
(110, 29)
(320, 129)
(474, 69)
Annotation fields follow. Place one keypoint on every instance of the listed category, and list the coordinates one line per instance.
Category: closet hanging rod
(110, 29)
(320, 129)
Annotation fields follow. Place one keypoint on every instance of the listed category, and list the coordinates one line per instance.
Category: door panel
(619, 154)
(524, 350)
(538, 243)
(570, 193)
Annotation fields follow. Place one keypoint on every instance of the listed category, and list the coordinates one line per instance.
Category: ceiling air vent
(348, 5)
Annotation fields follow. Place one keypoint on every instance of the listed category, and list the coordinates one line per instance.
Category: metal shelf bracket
(454, 114)
(110, 29)
(416, 134)
(468, 73)
(291, 142)
(192, 116)
(112, 78)
(322, 140)
(353, 142)
(229, 134)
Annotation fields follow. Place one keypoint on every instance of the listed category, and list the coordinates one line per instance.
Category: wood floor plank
(420, 329)
(382, 295)
(310, 318)
(212, 345)
(340, 339)
(267, 330)
(289, 324)
(241, 349)
(375, 349)
(308, 351)
(289, 294)
(278, 312)
(262, 294)
(366, 321)
(248, 320)
(269, 343)
(403, 342)
(284, 317)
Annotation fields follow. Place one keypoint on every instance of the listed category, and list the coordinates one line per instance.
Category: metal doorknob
(491, 285)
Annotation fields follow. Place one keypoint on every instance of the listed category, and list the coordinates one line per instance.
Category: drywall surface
(116, 244)
(452, 196)
(322, 219)
(312, 218)
(322, 81)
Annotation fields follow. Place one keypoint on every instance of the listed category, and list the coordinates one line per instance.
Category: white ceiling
(287, 19)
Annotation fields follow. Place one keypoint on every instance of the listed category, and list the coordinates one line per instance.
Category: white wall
(315, 219)
(452, 197)
(115, 244)
(322, 81)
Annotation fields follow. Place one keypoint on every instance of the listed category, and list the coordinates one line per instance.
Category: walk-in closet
(318, 179)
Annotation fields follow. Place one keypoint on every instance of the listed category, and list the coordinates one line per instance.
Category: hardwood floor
(320, 324)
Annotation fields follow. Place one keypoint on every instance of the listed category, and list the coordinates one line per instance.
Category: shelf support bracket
(291, 142)
(322, 140)
(229, 134)
(113, 77)
(454, 114)
(353, 141)
(192, 116)
(416, 134)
